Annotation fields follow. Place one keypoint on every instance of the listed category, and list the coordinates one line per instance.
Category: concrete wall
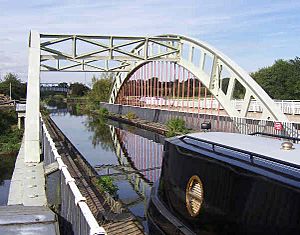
(194, 120)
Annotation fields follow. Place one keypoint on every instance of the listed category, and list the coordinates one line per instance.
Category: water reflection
(144, 154)
(7, 163)
(131, 156)
(101, 132)
(139, 166)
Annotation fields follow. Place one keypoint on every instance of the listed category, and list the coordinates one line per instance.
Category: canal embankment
(157, 118)
(107, 210)
(125, 157)
(172, 126)
(193, 121)
(140, 123)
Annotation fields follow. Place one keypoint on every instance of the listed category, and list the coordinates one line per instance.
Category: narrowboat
(226, 183)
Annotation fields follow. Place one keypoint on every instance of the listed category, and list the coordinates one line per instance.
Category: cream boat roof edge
(256, 144)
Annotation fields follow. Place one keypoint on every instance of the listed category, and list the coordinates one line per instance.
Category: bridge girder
(88, 53)
(212, 79)
(124, 55)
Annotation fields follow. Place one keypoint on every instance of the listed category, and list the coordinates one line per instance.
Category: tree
(18, 89)
(281, 80)
(78, 89)
(101, 88)
(63, 84)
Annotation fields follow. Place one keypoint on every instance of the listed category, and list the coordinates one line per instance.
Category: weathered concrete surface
(123, 109)
(15, 220)
(28, 183)
(193, 120)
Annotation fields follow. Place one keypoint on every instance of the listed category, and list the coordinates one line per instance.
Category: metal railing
(219, 123)
(73, 205)
(291, 107)
(283, 168)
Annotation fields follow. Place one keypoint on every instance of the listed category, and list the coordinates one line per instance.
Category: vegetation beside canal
(10, 135)
(56, 100)
(106, 184)
(130, 115)
(103, 112)
(176, 126)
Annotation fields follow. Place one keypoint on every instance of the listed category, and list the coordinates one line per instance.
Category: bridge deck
(27, 203)
(35, 220)
(28, 183)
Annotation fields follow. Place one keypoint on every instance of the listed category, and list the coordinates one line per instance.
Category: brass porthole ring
(194, 195)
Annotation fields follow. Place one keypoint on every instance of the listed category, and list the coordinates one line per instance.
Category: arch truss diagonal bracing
(161, 71)
(203, 78)
(103, 53)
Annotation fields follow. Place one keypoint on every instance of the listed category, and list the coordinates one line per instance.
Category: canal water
(7, 163)
(130, 156)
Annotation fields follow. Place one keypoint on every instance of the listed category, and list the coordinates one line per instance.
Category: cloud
(241, 29)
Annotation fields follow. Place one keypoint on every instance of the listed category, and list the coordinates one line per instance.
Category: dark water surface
(7, 164)
(133, 154)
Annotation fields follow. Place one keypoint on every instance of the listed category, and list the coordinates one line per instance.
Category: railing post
(32, 121)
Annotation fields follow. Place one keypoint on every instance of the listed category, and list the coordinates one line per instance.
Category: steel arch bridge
(160, 71)
(198, 77)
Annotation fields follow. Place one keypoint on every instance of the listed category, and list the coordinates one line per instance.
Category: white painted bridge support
(32, 122)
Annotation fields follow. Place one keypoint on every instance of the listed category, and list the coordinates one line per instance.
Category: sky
(252, 33)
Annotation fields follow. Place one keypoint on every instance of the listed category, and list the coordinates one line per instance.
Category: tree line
(280, 80)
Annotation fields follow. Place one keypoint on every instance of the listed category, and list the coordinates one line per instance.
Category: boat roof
(268, 147)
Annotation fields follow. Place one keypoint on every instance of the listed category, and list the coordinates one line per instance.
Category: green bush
(55, 100)
(176, 126)
(11, 141)
(103, 112)
(131, 115)
(106, 184)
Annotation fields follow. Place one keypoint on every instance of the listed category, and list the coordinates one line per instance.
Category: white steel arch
(93, 53)
(212, 67)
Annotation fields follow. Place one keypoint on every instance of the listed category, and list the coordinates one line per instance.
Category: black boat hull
(238, 198)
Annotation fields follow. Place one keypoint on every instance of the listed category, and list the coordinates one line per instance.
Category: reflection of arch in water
(142, 153)
(140, 132)
(136, 158)
(137, 180)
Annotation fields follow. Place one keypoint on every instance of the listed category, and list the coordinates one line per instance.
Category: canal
(129, 156)
(7, 163)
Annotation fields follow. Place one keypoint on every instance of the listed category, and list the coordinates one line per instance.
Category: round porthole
(194, 195)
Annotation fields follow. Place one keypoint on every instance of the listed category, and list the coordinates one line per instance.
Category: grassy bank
(10, 135)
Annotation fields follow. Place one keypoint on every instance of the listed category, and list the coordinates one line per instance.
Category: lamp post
(10, 90)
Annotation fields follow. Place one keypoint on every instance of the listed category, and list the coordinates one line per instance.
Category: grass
(130, 115)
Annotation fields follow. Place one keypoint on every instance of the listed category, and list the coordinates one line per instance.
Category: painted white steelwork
(32, 122)
(91, 53)
(212, 67)
(83, 53)
(124, 55)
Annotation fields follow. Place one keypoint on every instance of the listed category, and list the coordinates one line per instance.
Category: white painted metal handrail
(211, 66)
(80, 201)
(291, 107)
